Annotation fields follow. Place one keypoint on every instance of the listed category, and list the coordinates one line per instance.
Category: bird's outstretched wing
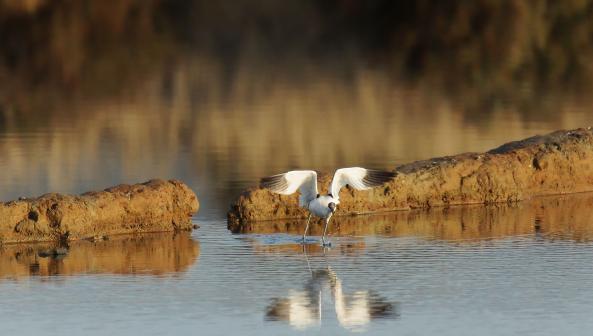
(358, 178)
(303, 180)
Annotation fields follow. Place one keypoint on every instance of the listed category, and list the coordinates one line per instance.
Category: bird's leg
(323, 242)
(306, 227)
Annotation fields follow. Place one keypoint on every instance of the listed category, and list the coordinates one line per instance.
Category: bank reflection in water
(554, 217)
(302, 308)
(150, 254)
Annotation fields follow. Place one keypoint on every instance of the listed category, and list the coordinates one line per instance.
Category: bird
(323, 206)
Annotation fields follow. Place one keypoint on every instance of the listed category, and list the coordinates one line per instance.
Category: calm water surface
(462, 271)
(492, 271)
(523, 269)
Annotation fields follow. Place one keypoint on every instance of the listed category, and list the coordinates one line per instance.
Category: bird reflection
(303, 308)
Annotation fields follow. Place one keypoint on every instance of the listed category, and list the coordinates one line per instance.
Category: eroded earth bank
(557, 163)
(156, 205)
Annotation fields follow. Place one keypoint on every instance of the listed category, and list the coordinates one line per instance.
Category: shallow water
(467, 270)
(163, 103)
(512, 269)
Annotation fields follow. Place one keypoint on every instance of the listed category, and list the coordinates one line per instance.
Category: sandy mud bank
(557, 163)
(156, 205)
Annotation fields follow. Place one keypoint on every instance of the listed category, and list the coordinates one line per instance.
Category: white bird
(324, 206)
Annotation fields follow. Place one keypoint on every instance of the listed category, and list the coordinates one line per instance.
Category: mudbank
(156, 205)
(557, 163)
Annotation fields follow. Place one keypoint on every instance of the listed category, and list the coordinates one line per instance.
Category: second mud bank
(557, 163)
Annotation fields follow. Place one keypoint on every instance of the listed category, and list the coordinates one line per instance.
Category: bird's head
(332, 206)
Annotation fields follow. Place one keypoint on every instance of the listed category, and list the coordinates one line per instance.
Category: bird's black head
(332, 206)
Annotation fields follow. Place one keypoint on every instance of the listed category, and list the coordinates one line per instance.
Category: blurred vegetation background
(244, 87)
(489, 46)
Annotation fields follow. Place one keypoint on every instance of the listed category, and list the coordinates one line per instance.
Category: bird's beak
(332, 207)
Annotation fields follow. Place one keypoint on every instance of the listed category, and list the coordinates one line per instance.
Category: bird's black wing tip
(274, 183)
(376, 178)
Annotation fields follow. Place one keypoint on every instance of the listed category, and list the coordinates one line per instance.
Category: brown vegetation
(534, 43)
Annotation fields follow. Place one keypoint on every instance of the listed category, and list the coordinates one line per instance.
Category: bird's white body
(320, 206)
(305, 181)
